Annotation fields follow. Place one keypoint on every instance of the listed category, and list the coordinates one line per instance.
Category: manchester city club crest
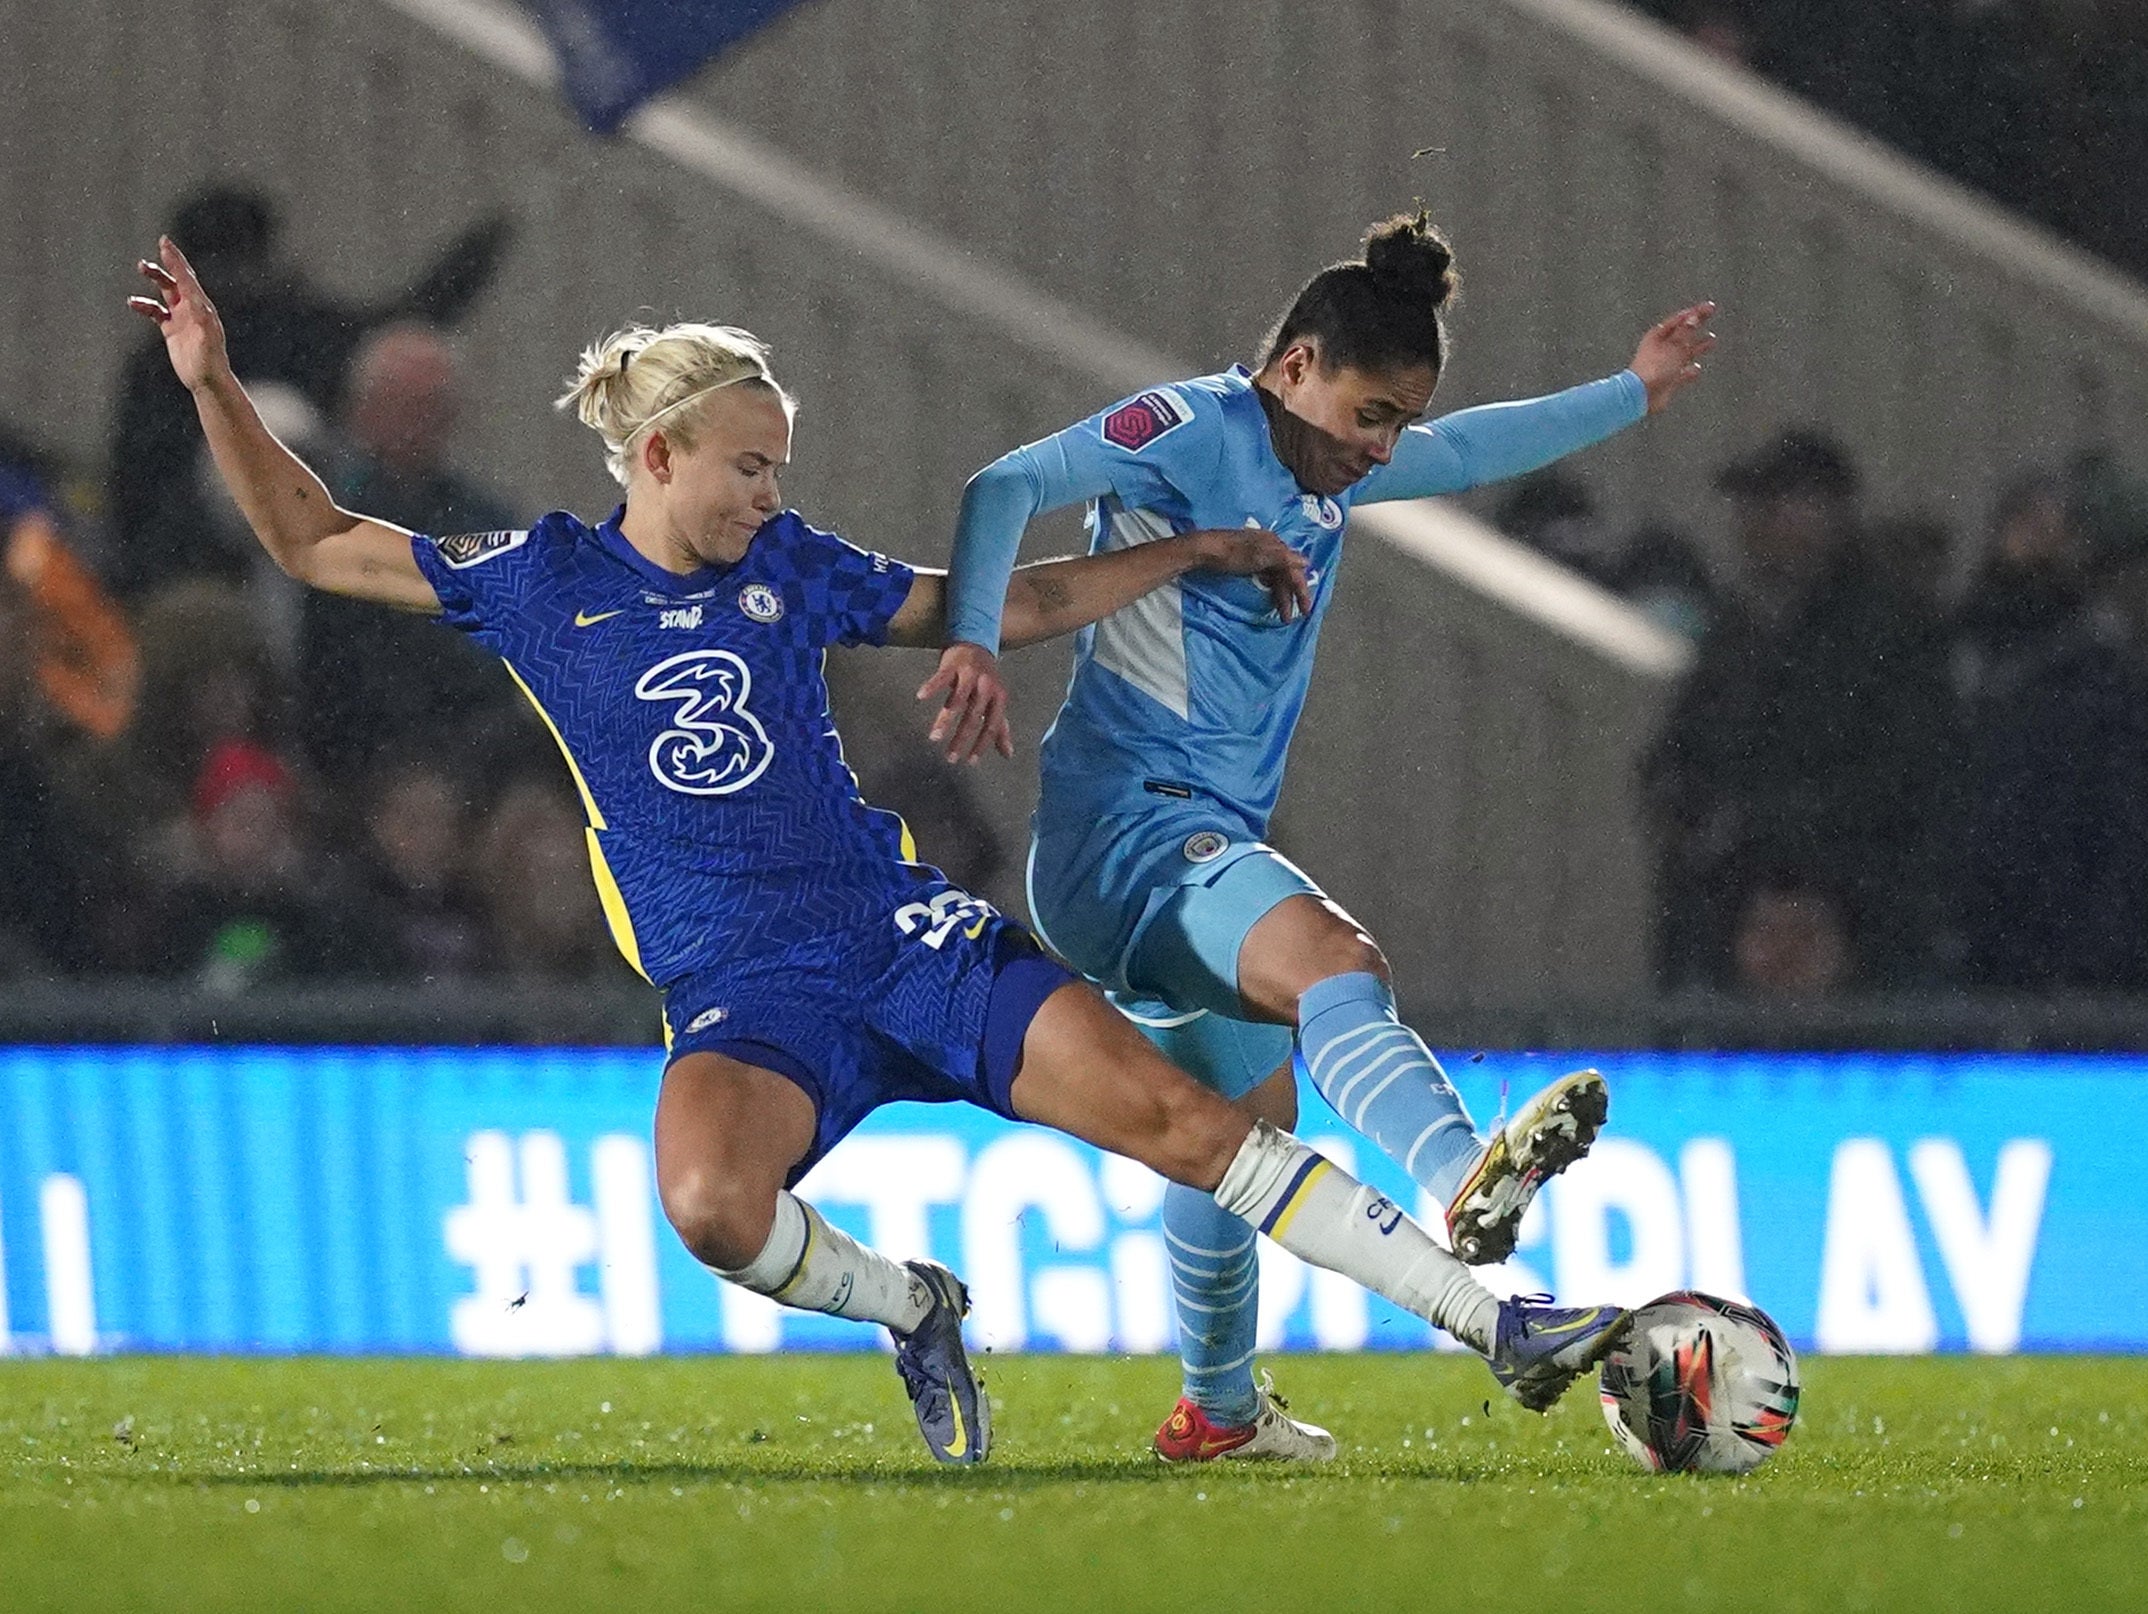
(1323, 510)
(1205, 846)
(761, 602)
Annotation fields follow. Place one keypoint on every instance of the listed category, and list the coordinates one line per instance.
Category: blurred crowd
(2040, 104)
(1900, 761)
(1906, 757)
(213, 775)
(210, 775)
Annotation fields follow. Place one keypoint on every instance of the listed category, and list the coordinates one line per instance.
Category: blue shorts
(933, 1013)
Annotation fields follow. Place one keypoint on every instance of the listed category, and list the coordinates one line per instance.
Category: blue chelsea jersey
(725, 827)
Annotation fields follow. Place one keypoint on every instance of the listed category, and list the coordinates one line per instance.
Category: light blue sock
(1383, 1080)
(1215, 1278)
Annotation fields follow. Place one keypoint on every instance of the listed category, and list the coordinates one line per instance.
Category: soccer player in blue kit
(812, 969)
(1148, 868)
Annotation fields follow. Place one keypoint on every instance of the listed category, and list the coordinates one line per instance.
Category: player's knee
(1355, 953)
(1275, 1102)
(721, 1217)
(1194, 1136)
(1346, 951)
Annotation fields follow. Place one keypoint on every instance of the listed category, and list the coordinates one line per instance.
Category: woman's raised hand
(193, 335)
(974, 713)
(1259, 554)
(1668, 359)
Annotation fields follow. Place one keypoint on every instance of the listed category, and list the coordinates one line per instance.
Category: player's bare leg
(728, 1135)
(1086, 1071)
(1307, 963)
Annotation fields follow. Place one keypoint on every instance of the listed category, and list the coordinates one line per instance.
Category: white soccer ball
(1700, 1385)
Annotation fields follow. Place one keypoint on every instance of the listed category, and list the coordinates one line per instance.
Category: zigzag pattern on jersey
(782, 866)
(878, 1000)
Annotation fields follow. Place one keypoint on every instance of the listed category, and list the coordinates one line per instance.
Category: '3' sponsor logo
(715, 744)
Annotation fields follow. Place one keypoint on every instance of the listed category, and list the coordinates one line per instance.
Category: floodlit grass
(799, 1483)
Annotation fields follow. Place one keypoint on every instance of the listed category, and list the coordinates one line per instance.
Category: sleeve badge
(1141, 421)
(464, 549)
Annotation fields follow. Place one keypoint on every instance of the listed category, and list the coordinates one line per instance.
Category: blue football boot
(1539, 1349)
(953, 1413)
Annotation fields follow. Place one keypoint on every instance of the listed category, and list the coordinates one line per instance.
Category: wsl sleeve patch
(1141, 421)
(469, 548)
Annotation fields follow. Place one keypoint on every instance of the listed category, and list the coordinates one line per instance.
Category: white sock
(1322, 1214)
(808, 1264)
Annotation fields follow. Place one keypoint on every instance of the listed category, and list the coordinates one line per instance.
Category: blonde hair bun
(641, 377)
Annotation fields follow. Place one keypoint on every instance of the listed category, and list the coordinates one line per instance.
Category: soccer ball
(1700, 1385)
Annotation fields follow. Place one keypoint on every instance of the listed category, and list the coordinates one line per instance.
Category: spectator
(1655, 569)
(373, 682)
(280, 328)
(1726, 29)
(248, 905)
(2053, 865)
(1664, 577)
(1791, 936)
(543, 921)
(47, 922)
(86, 664)
(207, 678)
(2030, 586)
(1913, 557)
(410, 911)
(1815, 722)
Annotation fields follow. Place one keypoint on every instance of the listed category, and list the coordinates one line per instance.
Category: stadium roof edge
(1832, 148)
(1440, 535)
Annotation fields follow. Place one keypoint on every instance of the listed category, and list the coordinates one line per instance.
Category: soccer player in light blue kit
(812, 968)
(1148, 869)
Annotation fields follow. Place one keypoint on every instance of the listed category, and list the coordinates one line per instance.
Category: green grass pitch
(799, 1483)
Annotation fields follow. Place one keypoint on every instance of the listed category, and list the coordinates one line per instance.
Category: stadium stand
(1950, 345)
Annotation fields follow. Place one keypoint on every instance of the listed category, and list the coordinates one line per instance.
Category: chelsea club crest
(761, 602)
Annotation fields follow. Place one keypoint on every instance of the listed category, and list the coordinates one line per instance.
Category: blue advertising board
(500, 1202)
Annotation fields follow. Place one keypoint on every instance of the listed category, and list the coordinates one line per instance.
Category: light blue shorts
(1157, 915)
(1228, 1056)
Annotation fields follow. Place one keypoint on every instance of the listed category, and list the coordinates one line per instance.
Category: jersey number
(933, 922)
(715, 745)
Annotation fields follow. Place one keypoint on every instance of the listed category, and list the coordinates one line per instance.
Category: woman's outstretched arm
(1052, 597)
(1490, 443)
(303, 529)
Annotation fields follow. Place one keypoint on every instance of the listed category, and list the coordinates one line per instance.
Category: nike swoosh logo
(1573, 1327)
(582, 619)
(961, 1443)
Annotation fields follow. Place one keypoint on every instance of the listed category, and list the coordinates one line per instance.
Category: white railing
(1179, 170)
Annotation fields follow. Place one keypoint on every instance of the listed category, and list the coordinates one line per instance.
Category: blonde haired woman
(812, 968)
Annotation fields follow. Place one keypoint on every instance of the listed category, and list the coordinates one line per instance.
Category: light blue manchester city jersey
(1195, 689)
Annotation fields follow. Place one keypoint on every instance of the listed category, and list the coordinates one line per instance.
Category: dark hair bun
(1409, 254)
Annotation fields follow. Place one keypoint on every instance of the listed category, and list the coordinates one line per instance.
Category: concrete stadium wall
(1470, 799)
(1179, 169)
